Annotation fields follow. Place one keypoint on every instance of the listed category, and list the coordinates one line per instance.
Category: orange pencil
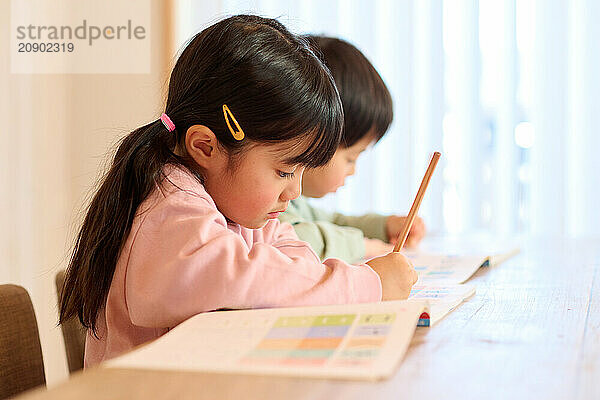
(417, 203)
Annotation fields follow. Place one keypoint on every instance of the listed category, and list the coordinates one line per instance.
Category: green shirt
(334, 234)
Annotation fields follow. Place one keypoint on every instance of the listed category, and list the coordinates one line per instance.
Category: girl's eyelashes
(286, 175)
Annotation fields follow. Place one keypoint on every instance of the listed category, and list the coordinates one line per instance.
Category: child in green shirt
(368, 113)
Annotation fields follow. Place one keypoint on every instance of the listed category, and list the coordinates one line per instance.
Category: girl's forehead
(267, 153)
(362, 145)
(283, 152)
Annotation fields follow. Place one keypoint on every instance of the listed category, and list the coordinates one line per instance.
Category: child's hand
(394, 225)
(397, 275)
(375, 247)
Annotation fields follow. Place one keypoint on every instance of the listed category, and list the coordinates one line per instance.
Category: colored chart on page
(314, 340)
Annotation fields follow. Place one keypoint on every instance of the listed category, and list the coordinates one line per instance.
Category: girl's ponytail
(134, 173)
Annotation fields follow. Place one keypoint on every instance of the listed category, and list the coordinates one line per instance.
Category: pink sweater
(183, 258)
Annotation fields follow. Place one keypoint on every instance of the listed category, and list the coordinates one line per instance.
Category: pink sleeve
(184, 261)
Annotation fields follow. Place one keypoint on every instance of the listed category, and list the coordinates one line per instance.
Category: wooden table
(532, 331)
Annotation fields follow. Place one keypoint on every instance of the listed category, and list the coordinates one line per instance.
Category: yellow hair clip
(239, 134)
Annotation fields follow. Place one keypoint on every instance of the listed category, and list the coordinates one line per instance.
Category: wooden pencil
(417, 203)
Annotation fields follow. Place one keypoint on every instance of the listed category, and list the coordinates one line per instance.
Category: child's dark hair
(276, 88)
(368, 107)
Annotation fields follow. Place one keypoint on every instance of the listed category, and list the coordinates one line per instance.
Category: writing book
(357, 341)
(447, 268)
(442, 299)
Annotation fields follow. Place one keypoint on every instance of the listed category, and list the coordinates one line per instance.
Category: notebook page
(436, 269)
(442, 299)
(360, 341)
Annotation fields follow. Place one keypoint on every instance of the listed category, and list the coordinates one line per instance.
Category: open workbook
(454, 267)
(441, 300)
(351, 341)
(359, 341)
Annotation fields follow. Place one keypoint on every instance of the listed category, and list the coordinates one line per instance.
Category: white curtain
(507, 90)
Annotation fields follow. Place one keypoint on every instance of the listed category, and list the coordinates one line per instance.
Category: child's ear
(201, 145)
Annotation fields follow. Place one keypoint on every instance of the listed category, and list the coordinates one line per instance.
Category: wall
(56, 135)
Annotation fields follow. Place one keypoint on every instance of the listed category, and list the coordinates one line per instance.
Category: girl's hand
(397, 275)
(394, 225)
(375, 247)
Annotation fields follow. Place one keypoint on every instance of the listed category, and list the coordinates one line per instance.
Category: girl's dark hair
(367, 102)
(277, 90)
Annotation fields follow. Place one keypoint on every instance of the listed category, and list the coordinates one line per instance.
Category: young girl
(367, 115)
(185, 220)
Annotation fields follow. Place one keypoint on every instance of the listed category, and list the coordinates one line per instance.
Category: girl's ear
(202, 145)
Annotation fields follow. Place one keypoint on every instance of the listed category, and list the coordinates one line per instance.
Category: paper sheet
(361, 341)
(445, 269)
(441, 298)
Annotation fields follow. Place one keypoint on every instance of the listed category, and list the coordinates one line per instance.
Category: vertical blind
(507, 90)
